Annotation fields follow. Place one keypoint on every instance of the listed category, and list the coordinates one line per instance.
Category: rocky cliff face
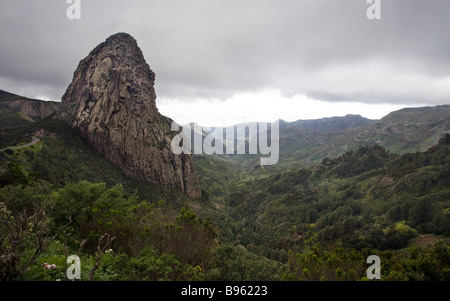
(111, 102)
(35, 109)
(32, 109)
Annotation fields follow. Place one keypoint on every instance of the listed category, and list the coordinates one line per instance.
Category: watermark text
(374, 271)
(251, 138)
(74, 10)
(374, 10)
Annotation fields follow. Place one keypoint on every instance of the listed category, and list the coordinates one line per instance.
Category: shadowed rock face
(111, 102)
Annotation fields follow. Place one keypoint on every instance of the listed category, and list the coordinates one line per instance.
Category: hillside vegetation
(318, 222)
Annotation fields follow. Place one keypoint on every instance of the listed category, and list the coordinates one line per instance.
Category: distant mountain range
(302, 142)
(331, 124)
(306, 142)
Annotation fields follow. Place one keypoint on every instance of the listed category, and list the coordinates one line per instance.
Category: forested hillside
(60, 197)
(367, 199)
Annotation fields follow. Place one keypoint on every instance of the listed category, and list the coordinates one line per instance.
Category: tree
(184, 235)
(13, 175)
(94, 210)
(24, 237)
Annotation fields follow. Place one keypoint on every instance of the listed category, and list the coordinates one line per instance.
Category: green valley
(344, 189)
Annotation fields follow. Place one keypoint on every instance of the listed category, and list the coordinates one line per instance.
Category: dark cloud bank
(214, 49)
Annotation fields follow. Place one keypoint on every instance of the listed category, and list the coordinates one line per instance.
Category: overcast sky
(218, 62)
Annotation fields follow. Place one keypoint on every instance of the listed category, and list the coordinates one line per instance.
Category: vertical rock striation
(111, 102)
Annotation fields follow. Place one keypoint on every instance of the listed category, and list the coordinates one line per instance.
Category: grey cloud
(216, 48)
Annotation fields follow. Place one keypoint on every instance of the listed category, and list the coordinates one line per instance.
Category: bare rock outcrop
(111, 102)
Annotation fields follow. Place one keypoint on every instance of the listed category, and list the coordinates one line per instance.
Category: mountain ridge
(18, 110)
(306, 141)
(329, 124)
